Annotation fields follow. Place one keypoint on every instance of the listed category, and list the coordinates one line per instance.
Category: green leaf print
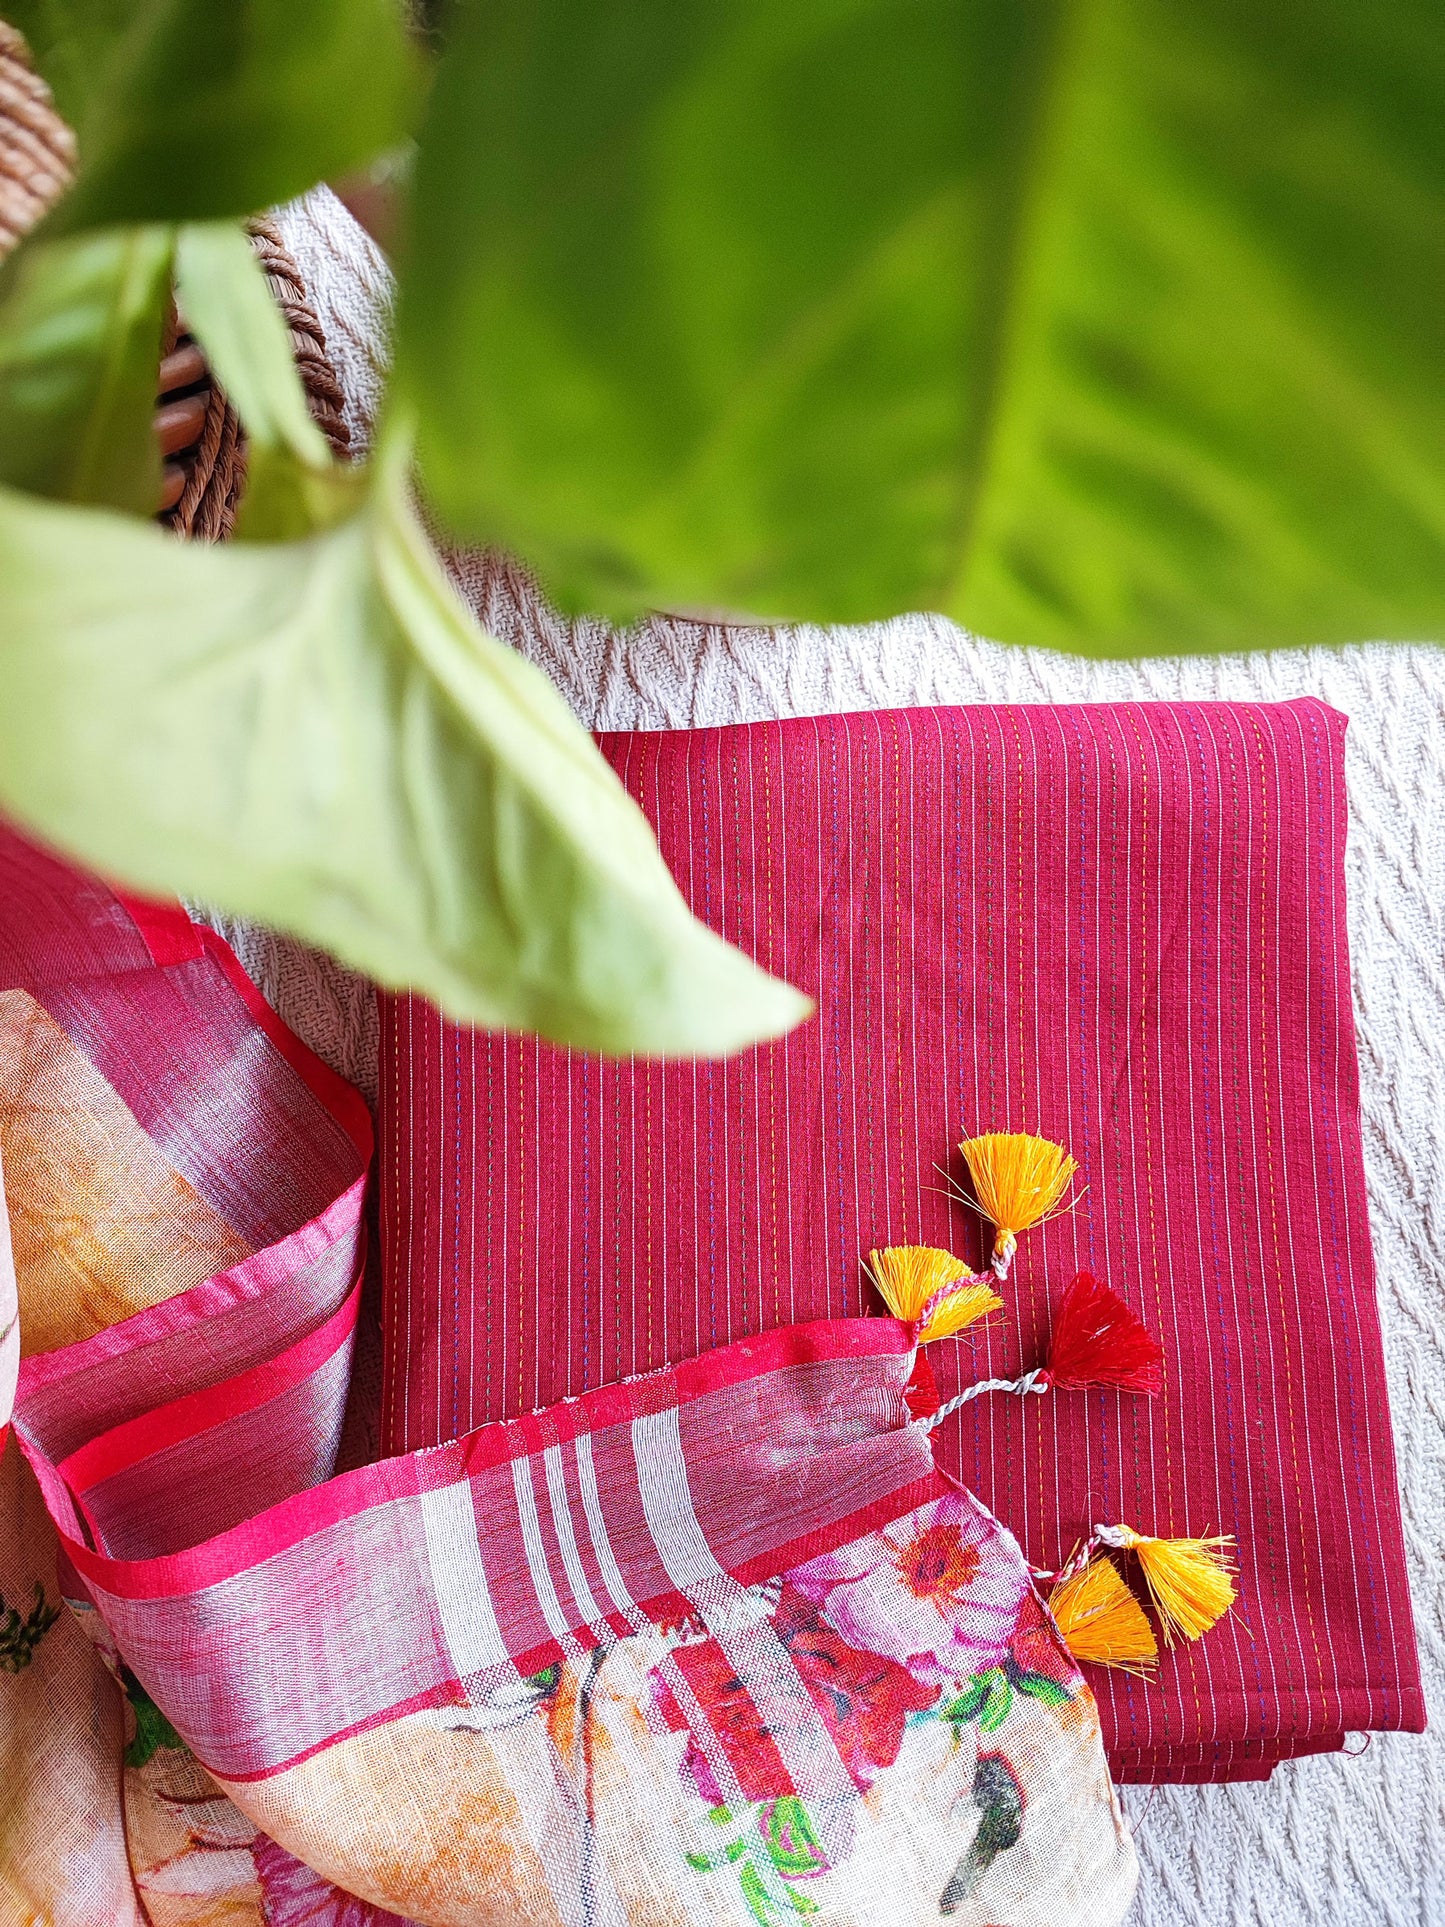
(997, 1706)
(152, 1729)
(969, 1704)
(1039, 1686)
(987, 1699)
(761, 1907)
(793, 1846)
(20, 1636)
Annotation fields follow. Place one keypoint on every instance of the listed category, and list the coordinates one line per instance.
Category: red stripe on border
(186, 1418)
(168, 933)
(305, 1513)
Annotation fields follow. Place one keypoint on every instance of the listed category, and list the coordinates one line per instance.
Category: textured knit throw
(716, 1644)
(1120, 927)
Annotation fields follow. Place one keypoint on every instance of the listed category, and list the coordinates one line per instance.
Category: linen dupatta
(719, 1643)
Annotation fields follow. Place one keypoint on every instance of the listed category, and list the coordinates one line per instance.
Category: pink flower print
(863, 1699)
(295, 1896)
(939, 1590)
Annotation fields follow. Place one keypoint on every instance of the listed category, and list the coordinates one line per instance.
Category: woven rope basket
(37, 149)
(202, 443)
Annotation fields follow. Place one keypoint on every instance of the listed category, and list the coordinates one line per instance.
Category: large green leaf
(1116, 326)
(316, 734)
(187, 110)
(80, 342)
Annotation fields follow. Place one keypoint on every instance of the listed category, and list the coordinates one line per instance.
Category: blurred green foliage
(1116, 328)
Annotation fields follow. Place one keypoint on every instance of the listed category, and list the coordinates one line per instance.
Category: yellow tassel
(1102, 1622)
(1020, 1181)
(1190, 1580)
(914, 1279)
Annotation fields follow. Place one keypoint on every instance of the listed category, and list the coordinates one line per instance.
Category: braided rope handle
(1035, 1381)
(200, 433)
(37, 149)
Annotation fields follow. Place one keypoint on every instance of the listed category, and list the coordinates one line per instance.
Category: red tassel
(921, 1394)
(1098, 1340)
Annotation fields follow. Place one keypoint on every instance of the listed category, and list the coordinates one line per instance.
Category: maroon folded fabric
(1120, 927)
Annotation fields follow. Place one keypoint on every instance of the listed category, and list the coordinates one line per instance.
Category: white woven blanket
(1331, 1842)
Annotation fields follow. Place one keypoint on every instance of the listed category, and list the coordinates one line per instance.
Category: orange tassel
(1020, 1181)
(1190, 1581)
(1101, 1621)
(931, 1290)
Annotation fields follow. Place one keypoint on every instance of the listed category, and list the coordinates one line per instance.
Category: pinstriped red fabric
(1123, 928)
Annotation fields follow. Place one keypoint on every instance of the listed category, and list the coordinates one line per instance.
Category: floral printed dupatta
(718, 1644)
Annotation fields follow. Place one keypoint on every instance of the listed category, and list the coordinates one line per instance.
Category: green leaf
(755, 1894)
(970, 1703)
(316, 734)
(80, 344)
(20, 1634)
(1112, 328)
(721, 1818)
(189, 110)
(1040, 1687)
(790, 1838)
(228, 305)
(293, 487)
(997, 1706)
(987, 1699)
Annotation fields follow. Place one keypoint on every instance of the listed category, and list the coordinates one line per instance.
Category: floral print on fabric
(778, 1834)
(928, 1656)
(21, 1633)
(864, 1700)
(650, 1780)
(196, 1860)
(921, 1591)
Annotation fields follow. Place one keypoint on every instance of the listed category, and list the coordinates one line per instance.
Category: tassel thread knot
(1019, 1181)
(931, 1290)
(1190, 1581)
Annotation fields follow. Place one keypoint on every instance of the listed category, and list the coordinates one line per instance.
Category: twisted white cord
(1020, 1387)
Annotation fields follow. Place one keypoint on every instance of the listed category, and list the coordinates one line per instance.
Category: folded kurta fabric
(1120, 927)
(716, 1644)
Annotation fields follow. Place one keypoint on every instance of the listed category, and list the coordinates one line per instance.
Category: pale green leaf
(1116, 327)
(80, 343)
(190, 110)
(317, 735)
(293, 487)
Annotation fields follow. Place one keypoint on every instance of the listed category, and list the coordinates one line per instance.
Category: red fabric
(1120, 927)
